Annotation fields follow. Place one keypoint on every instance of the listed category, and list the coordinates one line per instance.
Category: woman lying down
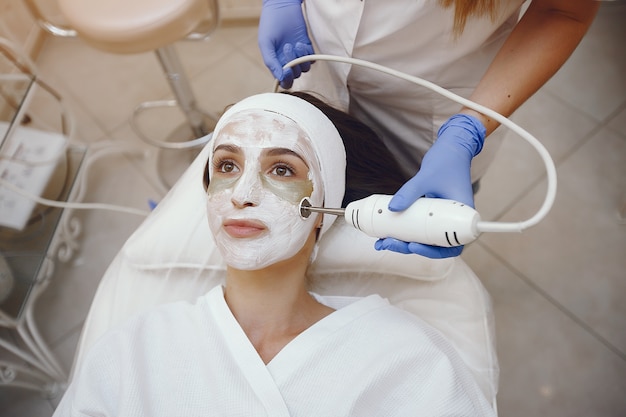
(261, 344)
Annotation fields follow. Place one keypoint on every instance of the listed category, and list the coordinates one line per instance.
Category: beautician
(479, 49)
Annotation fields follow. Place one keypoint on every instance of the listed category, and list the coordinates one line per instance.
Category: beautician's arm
(537, 47)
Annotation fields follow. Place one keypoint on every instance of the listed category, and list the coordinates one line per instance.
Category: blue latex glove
(282, 38)
(445, 173)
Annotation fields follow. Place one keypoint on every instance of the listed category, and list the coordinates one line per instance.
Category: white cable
(543, 153)
(96, 154)
(60, 204)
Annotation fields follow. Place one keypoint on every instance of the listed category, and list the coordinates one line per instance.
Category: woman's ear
(318, 226)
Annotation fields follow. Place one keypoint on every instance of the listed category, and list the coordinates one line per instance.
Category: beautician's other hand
(445, 173)
(282, 38)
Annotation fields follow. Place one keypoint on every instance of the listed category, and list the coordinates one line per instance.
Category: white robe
(414, 37)
(368, 358)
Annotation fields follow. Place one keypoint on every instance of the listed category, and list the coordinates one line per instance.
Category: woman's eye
(282, 171)
(226, 167)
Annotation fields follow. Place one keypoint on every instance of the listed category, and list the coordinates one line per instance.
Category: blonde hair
(463, 9)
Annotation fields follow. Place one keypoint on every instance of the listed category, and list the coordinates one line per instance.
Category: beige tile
(20, 403)
(577, 253)
(549, 365)
(251, 50)
(558, 127)
(239, 35)
(197, 56)
(167, 166)
(234, 78)
(64, 351)
(87, 128)
(109, 86)
(618, 123)
(65, 348)
(200, 56)
(46, 110)
(593, 79)
(158, 167)
(240, 9)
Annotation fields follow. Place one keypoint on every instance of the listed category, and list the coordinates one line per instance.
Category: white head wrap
(325, 139)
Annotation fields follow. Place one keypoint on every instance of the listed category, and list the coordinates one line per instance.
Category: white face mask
(262, 165)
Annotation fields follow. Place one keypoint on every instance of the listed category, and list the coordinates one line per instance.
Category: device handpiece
(431, 221)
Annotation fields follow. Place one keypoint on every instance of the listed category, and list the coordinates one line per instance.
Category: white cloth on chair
(172, 257)
(366, 358)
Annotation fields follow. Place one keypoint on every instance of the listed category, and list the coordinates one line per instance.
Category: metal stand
(168, 57)
(42, 371)
(185, 141)
(184, 100)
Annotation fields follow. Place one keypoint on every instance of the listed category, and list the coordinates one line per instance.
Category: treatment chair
(171, 257)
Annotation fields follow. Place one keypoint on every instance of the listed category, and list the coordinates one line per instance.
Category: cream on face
(262, 165)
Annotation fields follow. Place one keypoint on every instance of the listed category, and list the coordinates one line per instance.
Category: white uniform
(368, 358)
(414, 37)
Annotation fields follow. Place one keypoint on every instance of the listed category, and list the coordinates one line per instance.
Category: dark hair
(370, 166)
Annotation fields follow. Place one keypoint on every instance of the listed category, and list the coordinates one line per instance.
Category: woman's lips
(244, 228)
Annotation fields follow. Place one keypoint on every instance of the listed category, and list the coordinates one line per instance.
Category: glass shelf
(25, 251)
(14, 88)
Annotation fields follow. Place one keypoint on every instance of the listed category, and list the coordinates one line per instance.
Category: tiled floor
(558, 288)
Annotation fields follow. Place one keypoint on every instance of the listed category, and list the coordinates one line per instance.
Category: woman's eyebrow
(227, 148)
(283, 151)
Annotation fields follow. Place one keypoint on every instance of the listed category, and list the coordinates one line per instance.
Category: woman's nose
(247, 191)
